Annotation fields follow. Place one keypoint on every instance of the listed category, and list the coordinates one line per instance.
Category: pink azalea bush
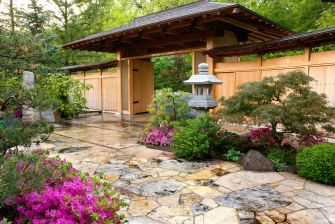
(74, 200)
(159, 136)
(311, 140)
(39, 189)
(261, 136)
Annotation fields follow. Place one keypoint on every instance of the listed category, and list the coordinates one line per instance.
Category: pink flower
(162, 135)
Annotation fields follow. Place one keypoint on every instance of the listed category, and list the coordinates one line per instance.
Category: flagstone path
(162, 189)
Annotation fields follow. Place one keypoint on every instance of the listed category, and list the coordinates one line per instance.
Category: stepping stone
(221, 215)
(181, 166)
(142, 207)
(329, 212)
(246, 179)
(320, 188)
(141, 220)
(156, 188)
(119, 169)
(315, 197)
(170, 214)
(308, 216)
(254, 199)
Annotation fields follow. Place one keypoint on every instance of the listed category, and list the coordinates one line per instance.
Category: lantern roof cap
(203, 77)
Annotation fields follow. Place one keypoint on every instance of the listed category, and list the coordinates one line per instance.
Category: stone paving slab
(161, 189)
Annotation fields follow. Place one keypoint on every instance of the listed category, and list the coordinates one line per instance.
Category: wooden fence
(105, 94)
(320, 66)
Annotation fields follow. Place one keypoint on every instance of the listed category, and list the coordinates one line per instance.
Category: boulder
(51, 116)
(255, 161)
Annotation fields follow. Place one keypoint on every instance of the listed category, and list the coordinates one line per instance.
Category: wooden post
(119, 73)
(307, 58)
(101, 92)
(194, 63)
(259, 65)
(130, 87)
(307, 53)
(210, 60)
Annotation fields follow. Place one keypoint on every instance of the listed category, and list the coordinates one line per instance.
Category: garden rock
(156, 188)
(51, 116)
(254, 199)
(255, 161)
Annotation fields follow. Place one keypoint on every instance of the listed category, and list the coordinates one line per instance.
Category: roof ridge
(154, 13)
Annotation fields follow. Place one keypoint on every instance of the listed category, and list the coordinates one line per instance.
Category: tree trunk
(11, 14)
(274, 131)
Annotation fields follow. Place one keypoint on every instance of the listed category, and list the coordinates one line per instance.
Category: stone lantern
(202, 98)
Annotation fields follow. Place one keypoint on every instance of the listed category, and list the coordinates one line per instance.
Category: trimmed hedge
(317, 163)
(197, 139)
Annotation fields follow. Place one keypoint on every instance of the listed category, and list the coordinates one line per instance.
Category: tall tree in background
(35, 18)
(9, 16)
(297, 15)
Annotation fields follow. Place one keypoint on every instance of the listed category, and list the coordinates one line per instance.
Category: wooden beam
(187, 51)
(249, 27)
(180, 39)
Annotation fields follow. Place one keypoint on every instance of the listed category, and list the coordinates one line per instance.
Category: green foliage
(20, 51)
(233, 155)
(226, 141)
(280, 159)
(14, 132)
(35, 18)
(25, 173)
(196, 140)
(297, 15)
(168, 106)
(286, 100)
(171, 71)
(317, 163)
(67, 94)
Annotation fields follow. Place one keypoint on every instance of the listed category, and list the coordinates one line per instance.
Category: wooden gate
(105, 92)
(143, 86)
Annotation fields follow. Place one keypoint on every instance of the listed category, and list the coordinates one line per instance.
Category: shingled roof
(292, 42)
(171, 15)
(166, 15)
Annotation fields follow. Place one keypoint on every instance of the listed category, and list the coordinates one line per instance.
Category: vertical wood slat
(104, 94)
(320, 66)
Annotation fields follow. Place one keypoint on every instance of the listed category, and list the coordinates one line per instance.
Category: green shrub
(22, 173)
(317, 163)
(233, 155)
(226, 141)
(29, 133)
(196, 140)
(168, 106)
(66, 93)
(280, 159)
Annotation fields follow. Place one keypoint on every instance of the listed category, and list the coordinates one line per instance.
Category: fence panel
(105, 91)
(320, 66)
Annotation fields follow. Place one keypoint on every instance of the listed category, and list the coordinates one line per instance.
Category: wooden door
(143, 85)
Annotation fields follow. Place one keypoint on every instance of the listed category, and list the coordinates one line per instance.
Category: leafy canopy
(287, 100)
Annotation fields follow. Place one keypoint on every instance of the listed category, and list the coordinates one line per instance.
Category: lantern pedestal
(202, 98)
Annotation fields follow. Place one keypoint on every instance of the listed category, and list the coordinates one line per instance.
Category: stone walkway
(162, 189)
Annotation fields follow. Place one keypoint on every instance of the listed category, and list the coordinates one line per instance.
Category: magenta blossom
(159, 136)
(75, 200)
(261, 136)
